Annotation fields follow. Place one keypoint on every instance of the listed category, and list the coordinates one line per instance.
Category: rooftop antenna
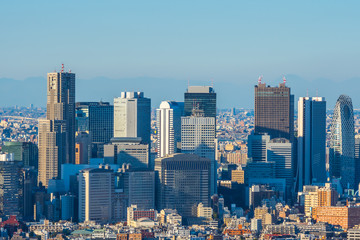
(317, 92)
(69, 70)
(284, 80)
(307, 92)
(259, 79)
(62, 68)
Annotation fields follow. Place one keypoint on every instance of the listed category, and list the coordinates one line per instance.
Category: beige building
(204, 212)
(96, 187)
(57, 132)
(238, 176)
(311, 202)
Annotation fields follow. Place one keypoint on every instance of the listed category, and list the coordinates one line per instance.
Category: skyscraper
(129, 151)
(169, 127)
(97, 118)
(279, 151)
(96, 188)
(132, 116)
(182, 182)
(11, 191)
(311, 141)
(342, 143)
(198, 137)
(202, 97)
(25, 152)
(257, 147)
(57, 132)
(274, 111)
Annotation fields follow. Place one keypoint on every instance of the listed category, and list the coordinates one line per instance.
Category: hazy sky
(228, 41)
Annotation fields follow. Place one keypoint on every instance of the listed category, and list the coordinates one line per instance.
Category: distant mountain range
(230, 94)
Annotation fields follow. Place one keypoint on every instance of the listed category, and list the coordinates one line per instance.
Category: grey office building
(182, 182)
(97, 118)
(11, 186)
(274, 111)
(201, 97)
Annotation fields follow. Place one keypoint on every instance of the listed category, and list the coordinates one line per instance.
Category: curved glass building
(342, 143)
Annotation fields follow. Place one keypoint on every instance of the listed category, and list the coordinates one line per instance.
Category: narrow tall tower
(342, 143)
(169, 127)
(57, 132)
(311, 141)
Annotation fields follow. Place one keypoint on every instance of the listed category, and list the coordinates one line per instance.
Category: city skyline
(186, 120)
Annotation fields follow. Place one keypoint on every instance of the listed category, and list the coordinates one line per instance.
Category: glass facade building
(342, 143)
(201, 97)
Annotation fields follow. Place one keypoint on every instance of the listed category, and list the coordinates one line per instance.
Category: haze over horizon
(158, 46)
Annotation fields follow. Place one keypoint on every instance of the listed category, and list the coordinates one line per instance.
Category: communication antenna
(317, 92)
(62, 68)
(259, 79)
(307, 92)
(284, 80)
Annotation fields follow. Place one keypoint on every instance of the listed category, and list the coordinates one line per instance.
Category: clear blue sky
(226, 41)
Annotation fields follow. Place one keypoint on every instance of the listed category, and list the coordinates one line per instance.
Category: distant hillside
(230, 94)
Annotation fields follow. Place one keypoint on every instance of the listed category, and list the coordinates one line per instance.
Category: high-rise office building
(182, 182)
(279, 151)
(11, 186)
(97, 118)
(82, 148)
(25, 152)
(198, 137)
(311, 141)
(201, 97)
(139, 186)
(52, 148)
(96, 189)
(342, 143)
(169, 127)
(128, 151)
(274, 111)
(257, 147)
(357, 161)
(61, 106)
(57, 132)
(132, 116)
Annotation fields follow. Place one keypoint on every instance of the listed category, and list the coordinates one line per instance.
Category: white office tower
(96, 188)
(198, 137)
(132, 116)
(169, 127)
(311, 141)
